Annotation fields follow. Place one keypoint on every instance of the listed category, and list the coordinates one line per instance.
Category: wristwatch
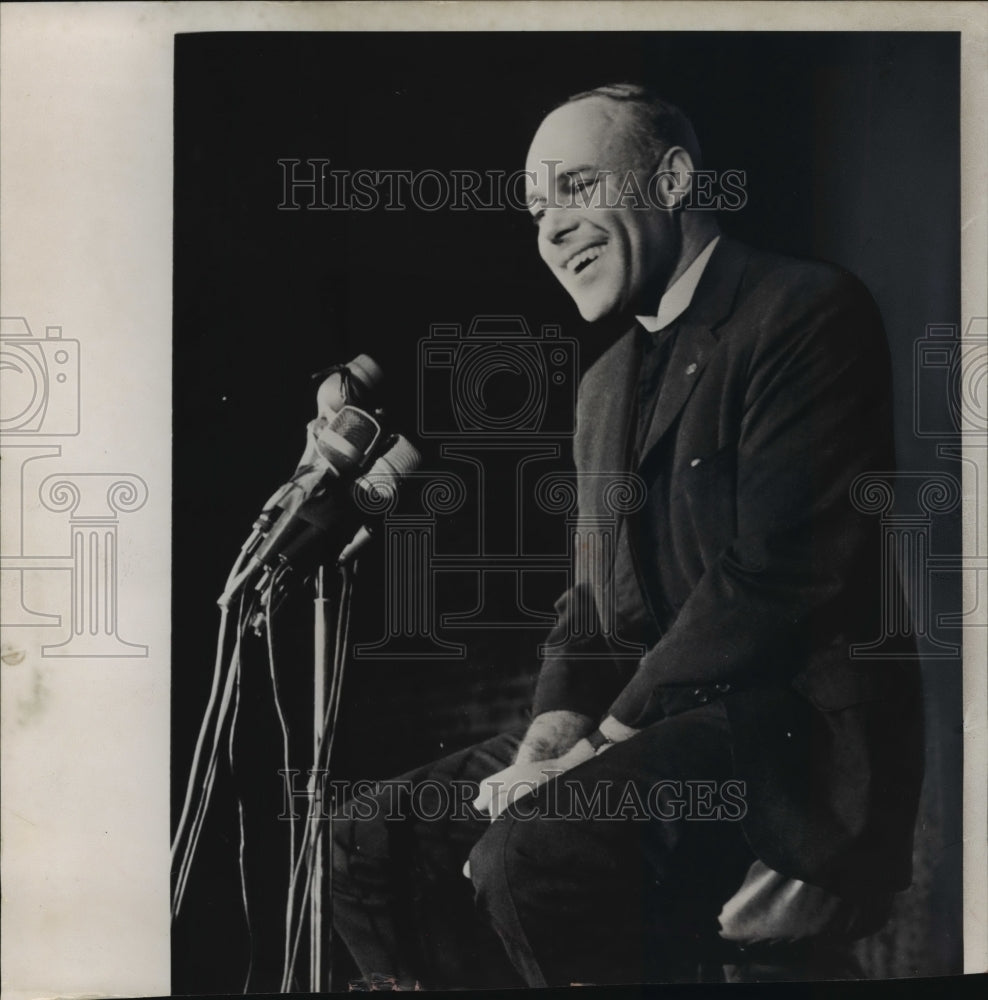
(598, 741)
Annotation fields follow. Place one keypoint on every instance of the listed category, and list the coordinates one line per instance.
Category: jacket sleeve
(801, 564)
(578, 673)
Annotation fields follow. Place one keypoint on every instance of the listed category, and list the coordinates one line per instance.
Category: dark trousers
(612, 873)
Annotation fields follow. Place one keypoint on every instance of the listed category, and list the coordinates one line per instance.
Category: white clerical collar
(676, 299)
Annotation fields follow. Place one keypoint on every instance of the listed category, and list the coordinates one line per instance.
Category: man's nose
(556, 223)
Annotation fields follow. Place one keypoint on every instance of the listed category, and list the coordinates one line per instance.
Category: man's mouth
(583, 259)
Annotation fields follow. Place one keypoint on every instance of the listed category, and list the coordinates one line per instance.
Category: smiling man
(600, 190)
(745, 778)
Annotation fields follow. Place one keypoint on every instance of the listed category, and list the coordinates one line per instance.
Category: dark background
(850, 143)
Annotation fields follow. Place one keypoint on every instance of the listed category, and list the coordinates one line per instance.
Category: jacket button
(694, 462)
(723, 688)
(691, 369)
(701, 696)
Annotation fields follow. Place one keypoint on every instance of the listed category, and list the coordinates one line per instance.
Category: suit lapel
(695, 340)
(690, 353)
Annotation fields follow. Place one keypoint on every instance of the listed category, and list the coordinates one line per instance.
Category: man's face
(611, 256)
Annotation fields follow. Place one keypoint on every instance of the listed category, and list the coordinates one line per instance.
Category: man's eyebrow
(578, 169)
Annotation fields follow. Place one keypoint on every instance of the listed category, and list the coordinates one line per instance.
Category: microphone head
(400, 460)
(366, 372)
(348, 438)
(402, 457)
(329, 396)
(363, 376)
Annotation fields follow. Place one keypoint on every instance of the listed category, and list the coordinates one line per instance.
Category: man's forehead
(590, 132)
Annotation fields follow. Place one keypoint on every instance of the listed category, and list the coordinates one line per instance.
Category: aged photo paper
(237, 234)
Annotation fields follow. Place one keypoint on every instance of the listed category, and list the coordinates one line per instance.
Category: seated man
(748, 394)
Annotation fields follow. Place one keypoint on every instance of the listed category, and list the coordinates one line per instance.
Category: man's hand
(499, 790)
(552, 734)
(523, 777)
(553, 745)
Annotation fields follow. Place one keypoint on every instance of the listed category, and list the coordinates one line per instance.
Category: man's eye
(582, 184)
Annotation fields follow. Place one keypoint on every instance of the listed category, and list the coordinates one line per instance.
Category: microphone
(376, 490)
(357, 380)
(341, 448)
(338, 442)
(335, 514)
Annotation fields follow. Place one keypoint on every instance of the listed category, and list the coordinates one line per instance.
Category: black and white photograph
(637, 309)
(574, 517)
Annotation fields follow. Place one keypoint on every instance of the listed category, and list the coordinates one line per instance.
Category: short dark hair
(657, 124)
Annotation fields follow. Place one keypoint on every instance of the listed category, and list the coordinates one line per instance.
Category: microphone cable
(276, 698)
(241, 838)
(222, 638)
(268, 612)
(206, 787)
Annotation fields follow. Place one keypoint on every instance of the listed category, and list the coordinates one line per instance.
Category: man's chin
(595, 310)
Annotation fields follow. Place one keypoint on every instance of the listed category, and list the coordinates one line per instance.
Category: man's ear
(669, 187)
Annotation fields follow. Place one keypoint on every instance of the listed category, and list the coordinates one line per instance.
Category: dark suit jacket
(749, 573)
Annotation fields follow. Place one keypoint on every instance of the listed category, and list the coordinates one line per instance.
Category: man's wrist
(609, 732)
(614, 731)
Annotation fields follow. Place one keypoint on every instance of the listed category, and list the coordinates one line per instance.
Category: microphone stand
(314, 849)
(322, 628)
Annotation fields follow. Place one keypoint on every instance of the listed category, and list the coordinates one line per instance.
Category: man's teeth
(580, 261)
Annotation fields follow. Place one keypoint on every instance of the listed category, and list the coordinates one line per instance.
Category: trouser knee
(493, 871)
(486, 863)
(359, 849)
(506, 893)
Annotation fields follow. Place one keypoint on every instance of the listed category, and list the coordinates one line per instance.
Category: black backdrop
(850, 144)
